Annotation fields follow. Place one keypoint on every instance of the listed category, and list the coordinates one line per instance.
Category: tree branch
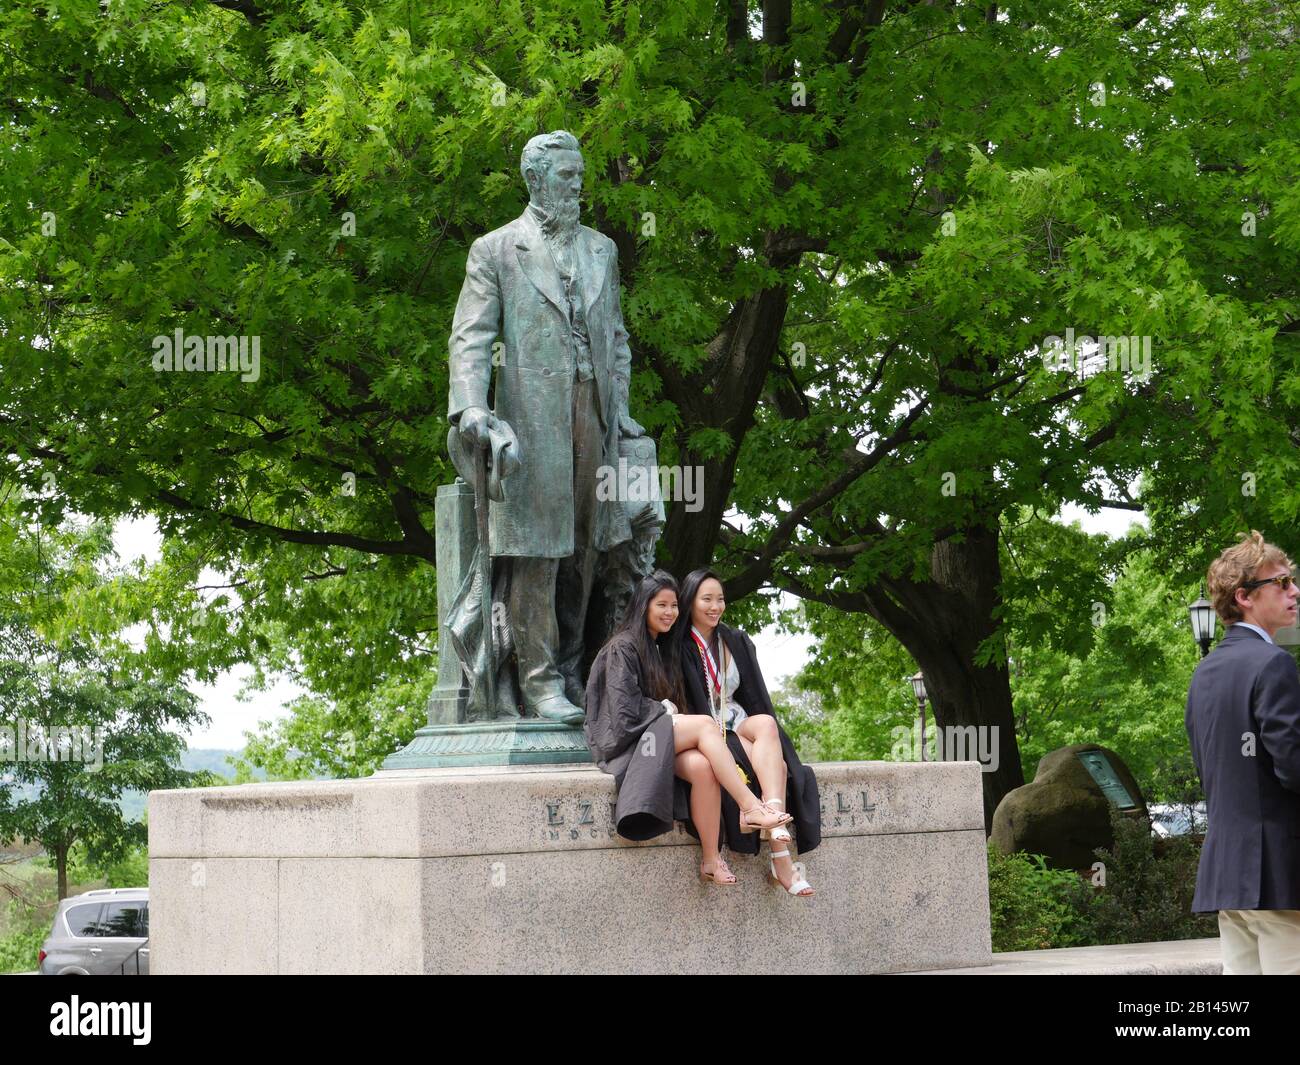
(761, 568)
(247, 8)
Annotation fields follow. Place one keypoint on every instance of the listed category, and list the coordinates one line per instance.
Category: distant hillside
(217, 760)
(134, 803)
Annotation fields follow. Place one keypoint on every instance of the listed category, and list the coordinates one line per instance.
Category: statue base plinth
(521, 741)
(518, 869)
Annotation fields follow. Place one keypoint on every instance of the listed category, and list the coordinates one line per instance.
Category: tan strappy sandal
(765, 812)
(711, 877)
(778, 834)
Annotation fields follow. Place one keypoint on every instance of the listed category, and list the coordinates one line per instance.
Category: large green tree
(84, 716)
(845, 230)
(1102, 653)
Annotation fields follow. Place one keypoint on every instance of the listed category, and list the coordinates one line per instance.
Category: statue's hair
(1235, 567)
(536, 155)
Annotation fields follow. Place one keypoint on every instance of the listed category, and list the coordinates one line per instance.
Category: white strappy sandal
(800, 888)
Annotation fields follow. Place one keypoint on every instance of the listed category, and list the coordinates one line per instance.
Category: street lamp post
(918, 689)
(1202, 616)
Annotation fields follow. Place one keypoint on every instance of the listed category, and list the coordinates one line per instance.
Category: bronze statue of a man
(541, 294)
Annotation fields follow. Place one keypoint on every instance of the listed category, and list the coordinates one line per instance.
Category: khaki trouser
(1260, 942)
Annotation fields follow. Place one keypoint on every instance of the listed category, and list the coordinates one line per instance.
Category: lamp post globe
(918, 689)
(1201, 613)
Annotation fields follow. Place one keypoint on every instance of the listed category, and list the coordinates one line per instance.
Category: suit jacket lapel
(536, 263)
(592, 267)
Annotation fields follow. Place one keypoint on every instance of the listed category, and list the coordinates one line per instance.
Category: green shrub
(1148, 888)
(18, 952)
(27, 931)
(129, 870)
(1034, 907)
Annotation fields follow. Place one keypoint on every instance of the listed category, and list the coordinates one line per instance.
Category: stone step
(1180, 957)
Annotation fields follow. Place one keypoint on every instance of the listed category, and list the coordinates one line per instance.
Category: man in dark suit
(1243, 721)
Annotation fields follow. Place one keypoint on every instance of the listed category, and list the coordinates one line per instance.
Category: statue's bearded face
(558, 190)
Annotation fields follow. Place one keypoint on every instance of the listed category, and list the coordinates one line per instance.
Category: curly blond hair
(1235, 567)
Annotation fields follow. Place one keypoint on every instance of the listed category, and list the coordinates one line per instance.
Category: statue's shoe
(558, 708)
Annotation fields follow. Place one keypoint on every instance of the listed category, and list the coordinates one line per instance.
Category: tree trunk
(61, 864)
(723, 395)
(689, 539)
(963, 694)
(949, 616)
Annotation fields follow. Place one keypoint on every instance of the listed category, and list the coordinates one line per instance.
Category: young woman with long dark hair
(636, 733)
(722, 682)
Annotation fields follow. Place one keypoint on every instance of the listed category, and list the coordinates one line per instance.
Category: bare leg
(765, 754)
(699, 731)
(760, 738)
(706, 806)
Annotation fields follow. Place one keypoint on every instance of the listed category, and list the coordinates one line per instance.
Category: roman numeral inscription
(847, 808)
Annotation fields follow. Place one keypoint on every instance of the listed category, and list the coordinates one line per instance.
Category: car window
(83, 920)
(120, 919)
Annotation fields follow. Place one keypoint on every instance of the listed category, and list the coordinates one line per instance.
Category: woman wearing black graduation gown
(727, 667)
(666, 765)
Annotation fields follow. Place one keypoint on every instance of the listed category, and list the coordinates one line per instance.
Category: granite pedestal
(519, 870)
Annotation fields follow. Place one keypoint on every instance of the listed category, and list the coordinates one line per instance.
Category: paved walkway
(1182, 957)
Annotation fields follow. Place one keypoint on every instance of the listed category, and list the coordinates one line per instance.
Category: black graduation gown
(802, 800)
(631, 737)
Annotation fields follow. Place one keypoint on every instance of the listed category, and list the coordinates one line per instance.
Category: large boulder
(1063, 814)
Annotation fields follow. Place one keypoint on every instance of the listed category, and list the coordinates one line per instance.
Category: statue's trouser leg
(537, 639)
(573, 588)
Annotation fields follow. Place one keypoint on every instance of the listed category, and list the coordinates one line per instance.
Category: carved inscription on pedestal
(848, 807)
(574, 818)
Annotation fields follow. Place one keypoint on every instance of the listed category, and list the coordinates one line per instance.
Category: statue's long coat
(512, 291)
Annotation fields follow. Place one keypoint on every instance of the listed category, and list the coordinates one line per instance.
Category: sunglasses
(1284, 582)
